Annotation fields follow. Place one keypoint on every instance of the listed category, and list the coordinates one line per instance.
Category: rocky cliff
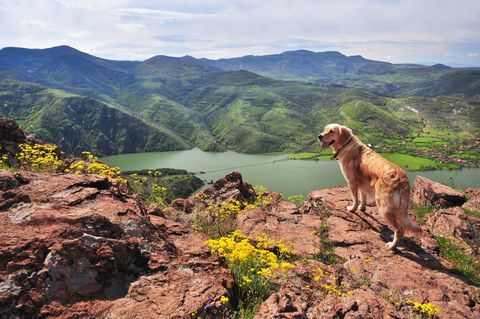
(73, 246)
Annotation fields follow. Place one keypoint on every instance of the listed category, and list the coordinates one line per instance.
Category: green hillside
(167, 103)
(78, 123)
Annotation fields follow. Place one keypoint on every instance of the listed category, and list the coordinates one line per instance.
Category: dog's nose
(320, 137)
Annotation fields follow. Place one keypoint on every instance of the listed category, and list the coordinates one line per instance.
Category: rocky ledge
(73, 246)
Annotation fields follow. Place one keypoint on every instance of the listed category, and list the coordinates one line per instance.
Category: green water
(289, 177)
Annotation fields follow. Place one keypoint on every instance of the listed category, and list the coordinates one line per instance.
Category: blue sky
(428, 31)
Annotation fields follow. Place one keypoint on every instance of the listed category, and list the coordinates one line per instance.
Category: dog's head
(335, 135)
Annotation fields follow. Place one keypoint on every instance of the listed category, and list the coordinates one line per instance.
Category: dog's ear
(344, 133)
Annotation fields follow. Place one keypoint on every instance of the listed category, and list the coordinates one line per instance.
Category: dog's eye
(331, 131)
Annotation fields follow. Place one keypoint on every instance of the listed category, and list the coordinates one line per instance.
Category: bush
(40, 158)
(255, 267)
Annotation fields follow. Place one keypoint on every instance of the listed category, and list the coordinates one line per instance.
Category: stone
(473, 203)
(78, 250)
(426, 192)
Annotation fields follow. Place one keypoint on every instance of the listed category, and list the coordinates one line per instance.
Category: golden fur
(367, 173)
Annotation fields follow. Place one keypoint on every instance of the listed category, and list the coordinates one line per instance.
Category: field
(405, 161)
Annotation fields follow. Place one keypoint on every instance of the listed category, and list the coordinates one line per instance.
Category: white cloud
(130, 27)
(396, 30)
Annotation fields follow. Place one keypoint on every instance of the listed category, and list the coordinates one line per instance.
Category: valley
(253, 104)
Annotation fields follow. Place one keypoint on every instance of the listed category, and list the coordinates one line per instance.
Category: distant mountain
(67, 68)
(161, 66)
(167, 103)
(304, 65)
(464, 82)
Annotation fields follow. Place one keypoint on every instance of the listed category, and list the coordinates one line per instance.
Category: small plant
(422, 211)
(427, 310)
(451, 181)
(463, 263)
(158, 195)
(471, 212)
(40, 158)
(91, 165)
(262, 199)
(296, 199)
(220, 219)
(327, 255)
(147, 185)
(256, 269)
(3, 160)
(327, 282)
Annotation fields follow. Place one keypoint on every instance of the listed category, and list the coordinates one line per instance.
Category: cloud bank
(428, 31)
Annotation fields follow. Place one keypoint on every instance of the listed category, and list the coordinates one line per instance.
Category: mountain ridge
(192, 103)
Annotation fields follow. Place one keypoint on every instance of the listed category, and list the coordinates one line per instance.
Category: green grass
(422, 211)
(410, 162)
(462, 262)
(310, 156)
(471, 212)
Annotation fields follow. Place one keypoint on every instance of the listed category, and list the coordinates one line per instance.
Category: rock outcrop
(473, 203)
(376, 282)
(73, 246)
(344, 269)
(429, 193)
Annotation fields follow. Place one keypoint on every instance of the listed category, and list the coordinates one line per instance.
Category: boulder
(454, 223)
(429, 193)
(10, 132)
(80, 249)
(473, 203)
(281, 220)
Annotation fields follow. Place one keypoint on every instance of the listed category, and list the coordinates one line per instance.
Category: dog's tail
(410, 227)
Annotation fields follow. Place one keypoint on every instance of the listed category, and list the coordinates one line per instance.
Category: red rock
(473, 203)
(81, 249)
(282, 222)
(426, 192)
(454, 222)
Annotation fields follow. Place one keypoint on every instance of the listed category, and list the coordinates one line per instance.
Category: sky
(399, 31)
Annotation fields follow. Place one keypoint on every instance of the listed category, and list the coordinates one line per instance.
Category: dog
(368, 174)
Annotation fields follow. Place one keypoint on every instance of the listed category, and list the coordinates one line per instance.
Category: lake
(275, 172)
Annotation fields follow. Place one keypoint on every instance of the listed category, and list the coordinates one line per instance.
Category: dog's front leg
(354, 191)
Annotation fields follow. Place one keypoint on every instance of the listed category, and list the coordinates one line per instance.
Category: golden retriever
(368, 173)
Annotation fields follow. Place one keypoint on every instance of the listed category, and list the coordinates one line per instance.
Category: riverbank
(405, 161)
(289, 177)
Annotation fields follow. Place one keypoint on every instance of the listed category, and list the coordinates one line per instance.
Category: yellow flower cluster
(428, 310)
(40, 158)
(333, 290)
(220, 219)
(3, 159)
(256, 270)
(240, 254)
(263, 242)
(91, 165)
(224, 299)
(262, 199)
(226, 209)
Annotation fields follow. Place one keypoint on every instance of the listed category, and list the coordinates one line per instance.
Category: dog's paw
(390, 245)
(352, 208)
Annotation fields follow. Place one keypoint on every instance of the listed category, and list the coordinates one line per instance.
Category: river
(275, 172)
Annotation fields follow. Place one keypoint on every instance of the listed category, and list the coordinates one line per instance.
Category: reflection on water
(275, 172)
